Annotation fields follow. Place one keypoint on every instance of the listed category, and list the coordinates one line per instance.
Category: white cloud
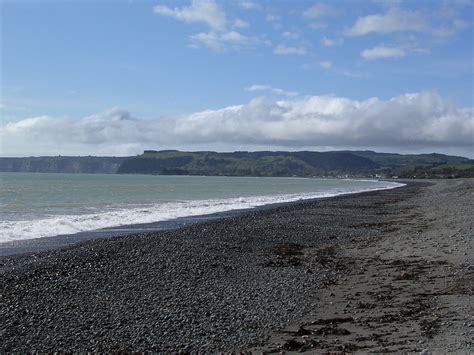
(272, 89)
(326, 64)
(395, 20)
(210, 40)
(328, 42)
(290, 35)
(221, 41)
(205, 11)
(421, 121)
(282, 49)
(399, 20)
(219, 37)
(382, 52)
(99, 133)
(234, 36)
(241, 23)
(319, 10)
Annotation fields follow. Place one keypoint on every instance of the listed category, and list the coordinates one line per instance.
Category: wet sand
(378, 271)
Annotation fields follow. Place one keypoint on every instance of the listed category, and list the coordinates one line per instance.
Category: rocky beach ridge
(377, 271)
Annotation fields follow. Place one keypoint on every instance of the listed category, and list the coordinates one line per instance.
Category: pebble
(207, 287)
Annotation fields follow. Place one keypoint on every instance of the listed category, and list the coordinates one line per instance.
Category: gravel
(215, 286)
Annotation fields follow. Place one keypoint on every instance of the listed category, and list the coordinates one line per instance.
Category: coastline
(230, 284)
(35, 245)
(409, 289)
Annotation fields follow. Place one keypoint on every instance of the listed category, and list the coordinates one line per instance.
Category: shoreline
(35, 245)
(242, 282)
(410, 290)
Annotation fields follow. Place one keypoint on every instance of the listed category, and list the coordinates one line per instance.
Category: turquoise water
(41, 205)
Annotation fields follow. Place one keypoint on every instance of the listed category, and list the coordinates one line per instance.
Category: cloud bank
(419, 120)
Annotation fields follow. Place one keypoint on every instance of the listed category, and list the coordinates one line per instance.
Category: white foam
(71, 224)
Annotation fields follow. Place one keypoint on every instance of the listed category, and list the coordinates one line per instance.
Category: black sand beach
(318, 275)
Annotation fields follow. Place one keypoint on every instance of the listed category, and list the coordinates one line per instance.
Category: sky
(117, 77)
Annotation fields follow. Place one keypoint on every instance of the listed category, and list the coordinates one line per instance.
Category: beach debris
(332, 329)
(285, 255)
(430, 327)
(292, 344)
(303, 331)
(332, 320)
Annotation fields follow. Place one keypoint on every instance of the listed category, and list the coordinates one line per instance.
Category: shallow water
(40, 205)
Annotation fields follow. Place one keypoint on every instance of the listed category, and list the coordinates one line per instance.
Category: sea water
(36, 205)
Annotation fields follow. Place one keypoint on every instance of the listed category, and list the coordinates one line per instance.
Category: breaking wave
(71, 224)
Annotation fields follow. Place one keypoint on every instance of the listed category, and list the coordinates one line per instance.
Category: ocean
(36, 205)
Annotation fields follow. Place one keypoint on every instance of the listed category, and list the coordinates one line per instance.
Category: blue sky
(163, 63)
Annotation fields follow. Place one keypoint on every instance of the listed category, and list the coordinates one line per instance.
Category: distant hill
(268, 163)
(420, 165)
(263, 163)
(394, 159)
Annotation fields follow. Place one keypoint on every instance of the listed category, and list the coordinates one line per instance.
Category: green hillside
(247, 163)
(420, 165)
(264, 163)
